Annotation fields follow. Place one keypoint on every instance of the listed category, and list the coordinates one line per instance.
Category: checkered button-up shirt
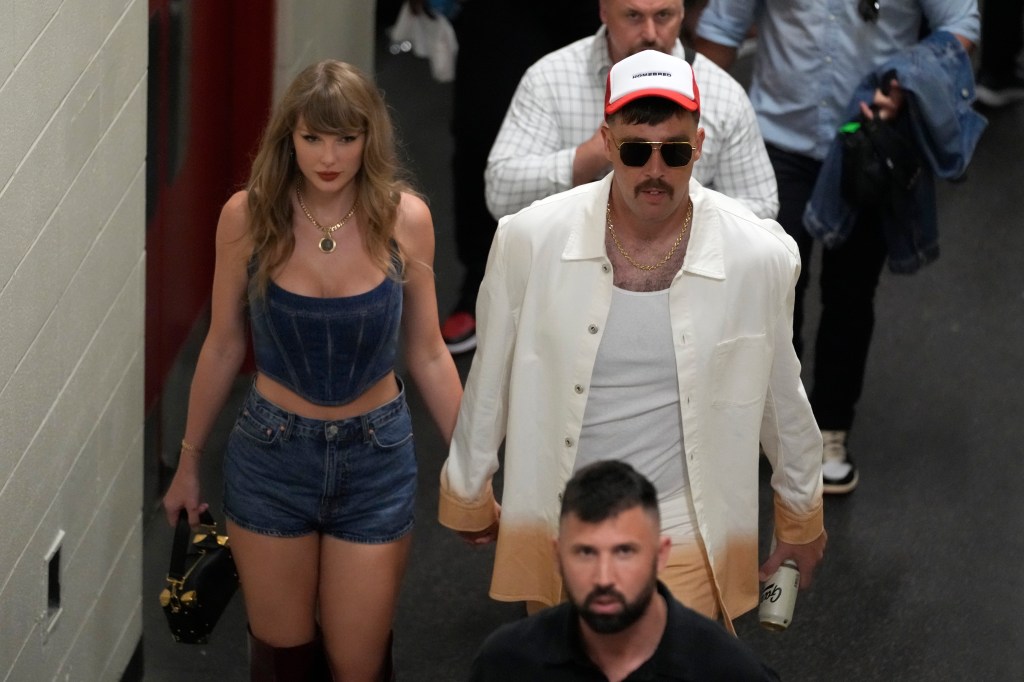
(559, 104)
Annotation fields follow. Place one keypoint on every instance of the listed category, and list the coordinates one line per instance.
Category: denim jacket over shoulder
(937, 80)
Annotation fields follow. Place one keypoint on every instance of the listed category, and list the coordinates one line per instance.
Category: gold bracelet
(188, 447)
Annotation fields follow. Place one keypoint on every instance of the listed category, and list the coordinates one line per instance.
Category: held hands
(485, 536)
(807, 558)
(480, 537)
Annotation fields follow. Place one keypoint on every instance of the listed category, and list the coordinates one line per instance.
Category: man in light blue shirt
(810, 58)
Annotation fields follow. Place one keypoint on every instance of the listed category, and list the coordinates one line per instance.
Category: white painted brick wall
(72, 299)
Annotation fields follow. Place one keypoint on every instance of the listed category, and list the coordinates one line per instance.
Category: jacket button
(578, 388)
(606, 268)
(592, 328)
(568, 442)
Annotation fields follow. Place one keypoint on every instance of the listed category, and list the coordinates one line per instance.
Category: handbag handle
(179, 549)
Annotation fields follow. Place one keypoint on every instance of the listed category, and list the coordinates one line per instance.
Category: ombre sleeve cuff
(798, 527)
(466, 515)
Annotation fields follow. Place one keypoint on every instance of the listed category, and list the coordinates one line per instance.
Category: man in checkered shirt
(550, 139)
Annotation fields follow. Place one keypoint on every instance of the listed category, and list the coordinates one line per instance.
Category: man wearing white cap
(550, 138)
(644, 318)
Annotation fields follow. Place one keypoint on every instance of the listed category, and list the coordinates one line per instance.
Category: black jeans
(849, 278)
(498, 40)
(1002, 36)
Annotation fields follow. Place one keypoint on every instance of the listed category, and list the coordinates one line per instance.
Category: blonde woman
(327, 256)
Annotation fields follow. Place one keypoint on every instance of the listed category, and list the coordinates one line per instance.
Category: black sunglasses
(638, 153)
(868, 10)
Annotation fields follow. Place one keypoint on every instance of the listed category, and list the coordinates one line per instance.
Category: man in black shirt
(619, 623)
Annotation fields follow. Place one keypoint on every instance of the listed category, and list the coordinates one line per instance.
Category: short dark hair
(604, 489)
(649, 111)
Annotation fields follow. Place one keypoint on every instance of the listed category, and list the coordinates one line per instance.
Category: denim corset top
(327, 350)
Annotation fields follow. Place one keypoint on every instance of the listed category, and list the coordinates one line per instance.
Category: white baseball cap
(651, 74)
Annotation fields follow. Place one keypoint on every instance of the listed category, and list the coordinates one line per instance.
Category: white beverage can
(778, 597)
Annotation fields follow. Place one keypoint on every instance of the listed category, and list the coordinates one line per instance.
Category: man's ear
(609, 146)
(700, 144)
(664, 548)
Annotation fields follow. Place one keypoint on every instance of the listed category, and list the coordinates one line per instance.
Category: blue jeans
(849, 278)
(353, 479)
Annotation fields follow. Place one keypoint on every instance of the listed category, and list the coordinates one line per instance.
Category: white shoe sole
(841, 488)
(463, 346)
(998, 98)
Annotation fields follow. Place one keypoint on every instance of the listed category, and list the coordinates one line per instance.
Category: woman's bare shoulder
(414, 229)
(234, 217)
(413, 217)
(413, 205)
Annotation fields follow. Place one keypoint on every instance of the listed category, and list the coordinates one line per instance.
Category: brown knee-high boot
(303, 663)
(389, 660)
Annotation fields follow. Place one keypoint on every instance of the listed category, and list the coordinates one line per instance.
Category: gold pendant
(327, 245)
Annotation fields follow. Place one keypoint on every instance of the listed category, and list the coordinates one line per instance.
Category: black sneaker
(838, 472)
(999, 91)
(459, 332)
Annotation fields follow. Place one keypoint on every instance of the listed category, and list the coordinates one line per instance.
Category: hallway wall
(310, 30)
(73, 103)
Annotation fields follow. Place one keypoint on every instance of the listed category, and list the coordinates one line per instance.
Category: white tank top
(632, 411)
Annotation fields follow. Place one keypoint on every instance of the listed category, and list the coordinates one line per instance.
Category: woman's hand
(183, 493)
(485, 536)
(480, 537)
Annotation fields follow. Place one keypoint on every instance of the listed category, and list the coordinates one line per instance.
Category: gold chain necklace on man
(327, 244)
(675, 245)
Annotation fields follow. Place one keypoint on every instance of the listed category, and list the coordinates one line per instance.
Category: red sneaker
(459, 332)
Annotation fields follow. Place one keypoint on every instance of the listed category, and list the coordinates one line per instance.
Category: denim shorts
(353, 479)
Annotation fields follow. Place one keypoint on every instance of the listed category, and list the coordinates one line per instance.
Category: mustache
(604, 591)
(656, 184)
(648, 45)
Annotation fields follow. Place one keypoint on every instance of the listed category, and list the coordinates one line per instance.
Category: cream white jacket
(540, 315)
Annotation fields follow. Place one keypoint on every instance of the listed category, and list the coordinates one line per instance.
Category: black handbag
(201, 580)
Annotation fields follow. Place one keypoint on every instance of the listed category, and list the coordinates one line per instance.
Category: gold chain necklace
(327, 244)
(675, 245)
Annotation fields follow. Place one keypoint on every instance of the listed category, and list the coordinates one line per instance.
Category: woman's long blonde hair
(337, 98)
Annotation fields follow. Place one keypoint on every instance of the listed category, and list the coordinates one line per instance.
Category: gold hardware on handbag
(201, 580)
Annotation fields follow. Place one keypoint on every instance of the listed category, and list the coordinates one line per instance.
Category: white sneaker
(998, 92)
(838, 472)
